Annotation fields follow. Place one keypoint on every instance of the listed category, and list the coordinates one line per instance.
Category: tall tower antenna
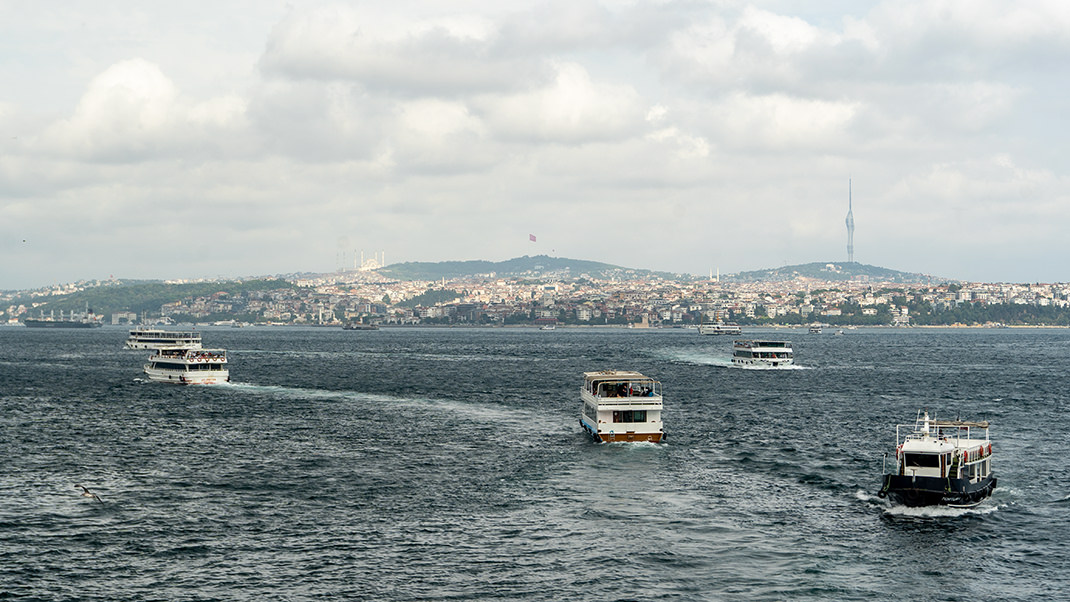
(850, 226)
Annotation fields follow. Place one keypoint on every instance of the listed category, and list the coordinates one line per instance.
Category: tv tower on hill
(850, 226)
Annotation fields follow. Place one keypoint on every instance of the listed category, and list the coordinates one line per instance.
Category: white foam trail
(924, 511)
(482, 412)
(941, 511)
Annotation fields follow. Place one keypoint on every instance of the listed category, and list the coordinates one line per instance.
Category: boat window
(629, 416)
(921, 460)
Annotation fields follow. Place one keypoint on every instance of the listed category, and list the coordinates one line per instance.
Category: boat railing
(639, 393)
(946, 430)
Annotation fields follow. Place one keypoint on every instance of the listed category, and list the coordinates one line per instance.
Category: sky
(238, 138)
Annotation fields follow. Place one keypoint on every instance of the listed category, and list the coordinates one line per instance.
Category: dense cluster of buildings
(639, 299)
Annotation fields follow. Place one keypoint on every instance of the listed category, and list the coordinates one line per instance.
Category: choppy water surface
(439, 464)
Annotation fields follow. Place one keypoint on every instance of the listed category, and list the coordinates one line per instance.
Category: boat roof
(983, 424)
(615, 374)
(761, 343)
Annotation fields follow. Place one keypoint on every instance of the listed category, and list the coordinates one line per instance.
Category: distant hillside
(519, 266)
(143, 295)
(831, 271)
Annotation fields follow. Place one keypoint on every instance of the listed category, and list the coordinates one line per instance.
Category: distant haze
(240, 138)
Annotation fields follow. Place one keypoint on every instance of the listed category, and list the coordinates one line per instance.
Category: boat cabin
(621, 406)
(945, 449)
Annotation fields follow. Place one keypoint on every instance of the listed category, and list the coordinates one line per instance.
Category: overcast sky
(252, 137)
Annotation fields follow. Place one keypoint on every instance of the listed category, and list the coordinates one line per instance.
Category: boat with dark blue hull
(940, 463)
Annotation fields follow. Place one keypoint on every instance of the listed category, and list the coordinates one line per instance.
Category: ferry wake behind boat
(621, 406)
(183, 366)
(941, 462)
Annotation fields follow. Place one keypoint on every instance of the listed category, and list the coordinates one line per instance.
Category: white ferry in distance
(762, 354)
(940, 462)
(621, 406)
(155, 338)
(719, 327)
(183, 366)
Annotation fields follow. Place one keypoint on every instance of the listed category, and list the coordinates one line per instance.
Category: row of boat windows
(772, 355)
(590, 411)
(185, 367)
(629, 416)
(624, 389)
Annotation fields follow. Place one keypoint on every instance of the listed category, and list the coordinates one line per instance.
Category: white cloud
(133, 112)
(572, 109)
(385, 51)
(778, 121)
(323, 119)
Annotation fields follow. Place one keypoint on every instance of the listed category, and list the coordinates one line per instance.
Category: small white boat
(719, 327)
(762, 354)
(621, 406)
(815, 329)
(184, 366)
(155, 338)
(940, 462)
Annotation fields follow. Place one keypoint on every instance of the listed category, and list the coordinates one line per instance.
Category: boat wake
(303, 393)
(480, 412)
(698, 358)
(898, 510)
(635, 444)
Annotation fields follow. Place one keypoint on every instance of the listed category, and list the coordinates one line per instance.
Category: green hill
(143, 296)
(831, 271)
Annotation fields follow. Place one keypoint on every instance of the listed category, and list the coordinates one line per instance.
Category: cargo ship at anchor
(86, 319)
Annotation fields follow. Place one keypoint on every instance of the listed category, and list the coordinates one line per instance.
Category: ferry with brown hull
(621, 405)
(184, 366)
(940, 463)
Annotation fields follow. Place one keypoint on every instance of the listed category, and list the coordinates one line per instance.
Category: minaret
(850, 227)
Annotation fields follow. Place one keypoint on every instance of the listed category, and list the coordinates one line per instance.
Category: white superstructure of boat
(940, 462)
(184, 366)
(719, 328)
(621, 405)
(762, 354)
(156, 338)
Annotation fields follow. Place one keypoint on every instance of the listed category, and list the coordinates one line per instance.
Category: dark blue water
(436, 464)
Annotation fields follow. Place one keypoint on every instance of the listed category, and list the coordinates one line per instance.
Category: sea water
(449, 464)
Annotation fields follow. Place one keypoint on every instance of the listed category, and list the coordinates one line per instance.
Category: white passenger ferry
(719, 327)
(621, 406)
(762, 354)
(940, 462)
(183, 366)
(155, 338)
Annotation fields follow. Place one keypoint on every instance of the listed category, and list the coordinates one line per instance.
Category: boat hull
(178, 377)
(763, 363)
(936, 491)
(626, 436)
(60, 324)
